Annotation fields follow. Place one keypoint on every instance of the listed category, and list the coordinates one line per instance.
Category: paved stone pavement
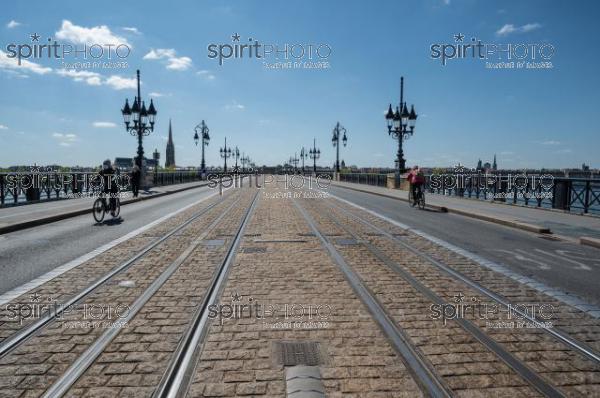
(285, 289)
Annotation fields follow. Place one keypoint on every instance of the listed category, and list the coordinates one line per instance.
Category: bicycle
(100, 208)
(420, 198)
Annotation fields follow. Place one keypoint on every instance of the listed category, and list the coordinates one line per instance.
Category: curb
(58, 217)
(509, 223)
(587, 241)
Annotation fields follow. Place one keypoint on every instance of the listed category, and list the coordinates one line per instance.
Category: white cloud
(550, 142)
(170, 55)
(120, 83)
(65, 139)
(156, 94)
(96, 35)
(132, 30)
(12, 63)
(104, 124)
(234, 105)
(96, 79)
(13, 24)
(446, 2)
(3, 127)
(91, 78)
(510, 29)
(206, 74)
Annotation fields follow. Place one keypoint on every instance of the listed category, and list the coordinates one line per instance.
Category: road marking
(18, 291)
(591, 310)
(521, 257)
(581, 266)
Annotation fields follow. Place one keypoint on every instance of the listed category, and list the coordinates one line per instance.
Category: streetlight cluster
(143, 120)
(401, 125)
(140, 121)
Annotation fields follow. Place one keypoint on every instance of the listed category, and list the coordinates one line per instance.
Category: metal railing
(379, 180)
(571, 194)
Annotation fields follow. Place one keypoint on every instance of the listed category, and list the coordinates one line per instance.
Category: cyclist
(109, 185)
(416, 180)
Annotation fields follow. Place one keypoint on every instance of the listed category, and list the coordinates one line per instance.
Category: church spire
(170, 158)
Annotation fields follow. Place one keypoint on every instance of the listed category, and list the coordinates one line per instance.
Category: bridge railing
(379, 180)
(572, 194)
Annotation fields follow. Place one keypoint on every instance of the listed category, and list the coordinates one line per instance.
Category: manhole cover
(254, 250)
(292, 353)
(346, 242)
(214, 242)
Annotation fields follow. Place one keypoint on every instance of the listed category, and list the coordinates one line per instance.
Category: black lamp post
(245, 161)
(203, 128)
(225, 153)
(294, 160)
(156, 157)
(237, 156)
(303, 155)
(143, 120)
(339, 132)
(401, 125)
(314, 154)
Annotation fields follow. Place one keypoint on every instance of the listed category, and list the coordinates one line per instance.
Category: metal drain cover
(214, 242)
(254, 250)
(346, 242)
(292, 353)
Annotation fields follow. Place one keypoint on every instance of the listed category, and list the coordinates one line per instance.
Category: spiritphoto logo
(273, 315)
(93, 55)
(86, 183)
(496, 316)
(273, 55)
(266, 181)
(533, 186)
(98, 315)
(495, 55)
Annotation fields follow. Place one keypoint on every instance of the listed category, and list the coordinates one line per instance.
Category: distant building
(170, 159)
(125, 164)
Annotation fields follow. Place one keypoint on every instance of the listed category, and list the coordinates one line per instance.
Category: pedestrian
(135, 180)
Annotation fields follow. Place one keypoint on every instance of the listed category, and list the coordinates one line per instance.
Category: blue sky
(529, 118)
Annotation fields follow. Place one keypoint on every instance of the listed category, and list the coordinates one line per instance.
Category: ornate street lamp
(203, 128)
(401, 125)
(303, 155)
(314, 153)
(339, 132)
(225, 153)
(236, 153)
(294, 160)
(142, 118)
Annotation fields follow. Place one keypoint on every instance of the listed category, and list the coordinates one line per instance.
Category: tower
(170, 158)
(494, 164)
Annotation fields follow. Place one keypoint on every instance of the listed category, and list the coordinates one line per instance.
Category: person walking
(135, 180)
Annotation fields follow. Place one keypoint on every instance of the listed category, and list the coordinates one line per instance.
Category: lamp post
(236, 154)
(203, 128)
(245, 161)
(156, 157)
(225, 153)
(339, 133)
(401, 125)
(314, 154)
(143, 121)
(303, 155)
(294, 160)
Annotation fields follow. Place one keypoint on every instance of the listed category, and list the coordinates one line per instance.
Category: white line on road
(581, 266)
(18, 291)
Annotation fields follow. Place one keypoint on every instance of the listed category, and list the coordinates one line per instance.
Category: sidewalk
(15, 218)
(527, 218)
